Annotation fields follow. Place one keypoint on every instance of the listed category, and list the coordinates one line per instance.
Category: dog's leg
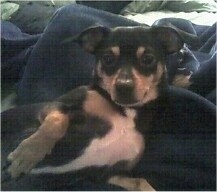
(33, 149)
(54, 124)
(131, 184)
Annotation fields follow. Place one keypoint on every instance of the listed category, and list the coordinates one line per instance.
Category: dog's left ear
(91, 37)
(169, 38)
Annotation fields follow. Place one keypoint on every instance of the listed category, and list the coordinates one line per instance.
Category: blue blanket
(180, 149)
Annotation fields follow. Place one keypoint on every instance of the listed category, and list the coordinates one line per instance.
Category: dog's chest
(122, 143)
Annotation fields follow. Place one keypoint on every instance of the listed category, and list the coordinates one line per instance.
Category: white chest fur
(122, 143)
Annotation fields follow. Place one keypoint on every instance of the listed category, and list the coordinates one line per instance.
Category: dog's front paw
(29, 152)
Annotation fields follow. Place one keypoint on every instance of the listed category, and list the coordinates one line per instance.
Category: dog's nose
(125, 90)
(124, 82)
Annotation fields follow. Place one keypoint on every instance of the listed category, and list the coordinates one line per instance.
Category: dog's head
(130, 61)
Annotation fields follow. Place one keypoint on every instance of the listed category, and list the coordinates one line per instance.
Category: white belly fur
(123, 142)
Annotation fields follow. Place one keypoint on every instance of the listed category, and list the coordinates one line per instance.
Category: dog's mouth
(133, 102)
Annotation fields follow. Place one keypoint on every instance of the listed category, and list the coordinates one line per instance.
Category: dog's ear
(169, 38)
(91, 37)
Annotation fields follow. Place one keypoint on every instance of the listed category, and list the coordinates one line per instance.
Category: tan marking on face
(159, 73)
(146, 86)
(108, 82)
(140, 51)
(115, 50)
(142, 84)
(98, 69)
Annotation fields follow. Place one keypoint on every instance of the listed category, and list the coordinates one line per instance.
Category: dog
(99, 126)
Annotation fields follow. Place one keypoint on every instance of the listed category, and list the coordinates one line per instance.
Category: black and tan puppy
(99, 126)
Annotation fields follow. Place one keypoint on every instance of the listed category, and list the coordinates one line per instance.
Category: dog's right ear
(90, 38)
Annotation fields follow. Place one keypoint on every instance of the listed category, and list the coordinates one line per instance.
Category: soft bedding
(176, 6)
(200, 12)
(202, 18)
(181, 147)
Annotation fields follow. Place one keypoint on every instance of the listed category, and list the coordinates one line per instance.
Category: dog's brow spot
(140, 51)
(115, 50)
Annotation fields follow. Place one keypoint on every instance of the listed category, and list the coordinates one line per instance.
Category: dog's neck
(105, 94)
(146, 107)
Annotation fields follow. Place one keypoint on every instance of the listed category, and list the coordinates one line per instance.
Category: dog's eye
(108, 59)
(147, 59)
